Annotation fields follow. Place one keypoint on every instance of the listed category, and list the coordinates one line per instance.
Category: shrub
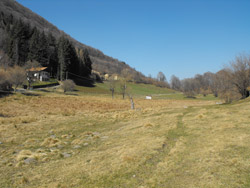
(68, 85)
(189, 94)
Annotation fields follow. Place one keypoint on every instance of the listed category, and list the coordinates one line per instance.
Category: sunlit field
(89, 140)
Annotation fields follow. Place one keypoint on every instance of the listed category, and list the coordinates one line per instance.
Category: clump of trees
(230, 83)
(24, 43)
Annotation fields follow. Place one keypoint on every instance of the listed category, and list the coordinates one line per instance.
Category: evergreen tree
(87, 62)
(24, 43)
(63, 58)
(18, 42)
(43, 46)
(53, 55)
(33, 45)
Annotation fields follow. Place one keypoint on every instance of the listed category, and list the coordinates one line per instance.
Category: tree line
(23, 43)
(230, 83)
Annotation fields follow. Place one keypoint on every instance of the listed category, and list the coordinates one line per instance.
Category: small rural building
(39, 73)
(96, 75)
(106, 76)
(115, 77)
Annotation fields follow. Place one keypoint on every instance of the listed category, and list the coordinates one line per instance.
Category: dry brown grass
(93, 141)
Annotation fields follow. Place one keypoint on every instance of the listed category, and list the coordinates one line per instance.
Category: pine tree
(43, 46)
(68, 60)
(53, 55)
(33, 45)
(87, 62)
(62, 60)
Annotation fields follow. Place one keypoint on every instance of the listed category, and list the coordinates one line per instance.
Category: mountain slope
(101, 62)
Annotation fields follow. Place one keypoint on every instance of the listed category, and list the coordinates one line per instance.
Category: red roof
(37, 69)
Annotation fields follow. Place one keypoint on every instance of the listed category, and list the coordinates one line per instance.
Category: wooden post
(132, 102)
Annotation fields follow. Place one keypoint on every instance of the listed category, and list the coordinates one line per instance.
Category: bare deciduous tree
(161, 77)
(189, 87)
(68, 85)
(112, 86)
(175, 83)
(123, 87)
(240, 74)
(4, 80)
(226, 90)
(17, 76)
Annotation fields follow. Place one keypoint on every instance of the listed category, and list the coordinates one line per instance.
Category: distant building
(106, 76)
(39, 73)
(96, 75)
(115, 76)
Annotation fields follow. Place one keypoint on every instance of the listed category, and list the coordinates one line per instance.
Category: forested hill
(101, 63)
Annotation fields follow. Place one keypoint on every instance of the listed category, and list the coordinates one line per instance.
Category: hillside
(101, 62)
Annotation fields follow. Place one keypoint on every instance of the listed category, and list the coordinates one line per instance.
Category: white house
(39, 73)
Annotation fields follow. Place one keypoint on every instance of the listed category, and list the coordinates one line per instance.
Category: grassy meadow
(86, 139)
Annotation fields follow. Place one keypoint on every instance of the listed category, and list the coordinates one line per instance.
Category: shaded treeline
(23, 43)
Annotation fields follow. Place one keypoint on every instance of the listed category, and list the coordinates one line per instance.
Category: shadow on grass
(1, 115)
(74, 94)
(45, 90)
(31, 94)
(5, 93)
(190, 97)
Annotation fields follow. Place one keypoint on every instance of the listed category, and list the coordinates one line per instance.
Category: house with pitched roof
(39, 73)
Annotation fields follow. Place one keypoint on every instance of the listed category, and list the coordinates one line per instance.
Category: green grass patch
(132, 88)
(41, 83)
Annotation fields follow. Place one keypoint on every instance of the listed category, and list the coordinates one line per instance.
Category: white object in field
(148, 97)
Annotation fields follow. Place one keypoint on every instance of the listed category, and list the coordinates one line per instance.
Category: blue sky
(180, 37)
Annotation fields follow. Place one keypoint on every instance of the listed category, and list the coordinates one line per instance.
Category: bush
(68, 85)
(189, 94)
